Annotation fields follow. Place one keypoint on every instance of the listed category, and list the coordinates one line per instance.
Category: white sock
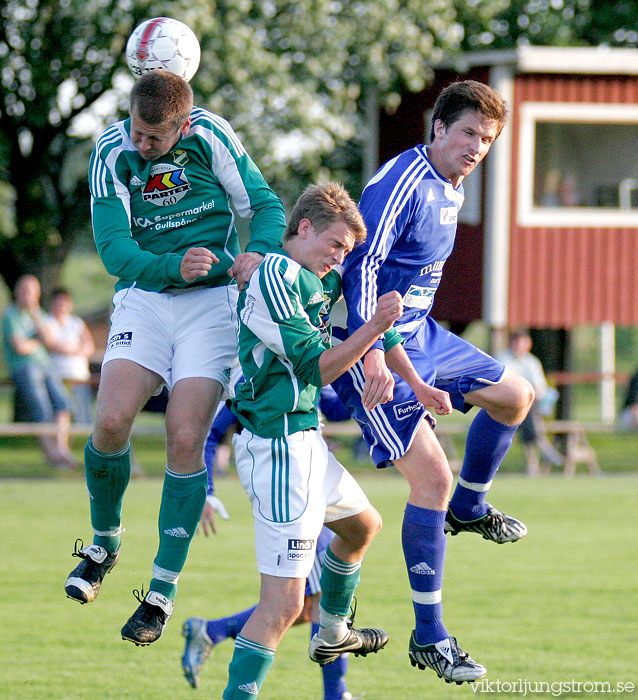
(332, 628)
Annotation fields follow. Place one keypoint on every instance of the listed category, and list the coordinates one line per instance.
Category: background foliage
(300, 80)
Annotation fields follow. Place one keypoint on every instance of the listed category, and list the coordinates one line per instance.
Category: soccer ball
(163, 43)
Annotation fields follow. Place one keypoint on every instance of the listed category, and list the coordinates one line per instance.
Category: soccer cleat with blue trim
(146, 624)
(446, 659)
(494, 526)
(83, 583)
(197, 649)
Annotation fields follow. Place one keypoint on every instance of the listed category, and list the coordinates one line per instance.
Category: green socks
(183, 499)
(248, 669)
(338, 582)
(107, 476)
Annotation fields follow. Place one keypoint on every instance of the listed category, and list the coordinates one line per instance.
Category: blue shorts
(442, 359)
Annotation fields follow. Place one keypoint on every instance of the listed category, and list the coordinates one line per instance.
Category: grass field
(559, 606)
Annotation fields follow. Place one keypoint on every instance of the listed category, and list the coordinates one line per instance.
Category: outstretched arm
(337, 360)
(429, 396)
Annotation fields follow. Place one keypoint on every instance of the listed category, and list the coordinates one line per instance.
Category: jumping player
(293, 482)
(202, 635)
(162, 183)
(410, 207)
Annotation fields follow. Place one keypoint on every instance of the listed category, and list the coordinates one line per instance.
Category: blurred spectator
(560, 190)
(26, 334)
(532, 430)
(629, 415)
(72, 345)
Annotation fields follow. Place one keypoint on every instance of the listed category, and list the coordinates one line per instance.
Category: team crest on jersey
(180, 157)
(166, 184)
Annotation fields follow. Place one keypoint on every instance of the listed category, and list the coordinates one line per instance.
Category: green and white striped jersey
(147, 214)
(283, 329)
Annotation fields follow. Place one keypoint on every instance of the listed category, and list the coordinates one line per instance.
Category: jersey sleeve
(385, 220)
(275, 314)
(247, 189)
(111, 219)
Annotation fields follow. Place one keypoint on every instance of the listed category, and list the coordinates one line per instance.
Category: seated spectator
(70, 351)
(532, 430)
(26, 335)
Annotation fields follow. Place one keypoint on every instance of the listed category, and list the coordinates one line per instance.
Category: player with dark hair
(410, 207)
(164, 185)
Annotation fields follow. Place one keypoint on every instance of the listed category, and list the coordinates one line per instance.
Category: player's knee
(522, 400)
(184, 443)
(513, 402)
(368, 525)
(112, 428)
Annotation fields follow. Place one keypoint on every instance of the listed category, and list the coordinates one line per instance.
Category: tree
(291, 76)
(298, 80)
(57, 58)
(549, 23)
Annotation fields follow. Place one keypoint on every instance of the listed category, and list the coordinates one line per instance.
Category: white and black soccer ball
(165, 43)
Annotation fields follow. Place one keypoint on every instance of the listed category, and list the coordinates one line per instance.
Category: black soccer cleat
(361, 642)
(146, 624)
(446, 659)
(494, 526)
(83, 583)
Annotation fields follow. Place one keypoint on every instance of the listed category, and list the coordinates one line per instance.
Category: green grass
(558, 606)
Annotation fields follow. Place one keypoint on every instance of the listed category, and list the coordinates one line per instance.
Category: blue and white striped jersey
(411, 213)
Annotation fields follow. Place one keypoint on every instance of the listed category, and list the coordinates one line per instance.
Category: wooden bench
(577, 448)
(37, 429)
(444, 433)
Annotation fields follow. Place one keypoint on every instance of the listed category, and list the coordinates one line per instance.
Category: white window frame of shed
(531, 214)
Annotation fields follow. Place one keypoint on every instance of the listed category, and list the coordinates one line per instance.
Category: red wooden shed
(548, 236)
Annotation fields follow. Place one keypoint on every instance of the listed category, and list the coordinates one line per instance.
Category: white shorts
(178, 335)
(295, 485)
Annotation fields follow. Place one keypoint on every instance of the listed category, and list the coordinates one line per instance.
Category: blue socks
(224, 627)
(486, 446)
(424, 541)
(334, 684)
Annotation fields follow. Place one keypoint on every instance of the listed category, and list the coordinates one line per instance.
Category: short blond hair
(324, 205)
